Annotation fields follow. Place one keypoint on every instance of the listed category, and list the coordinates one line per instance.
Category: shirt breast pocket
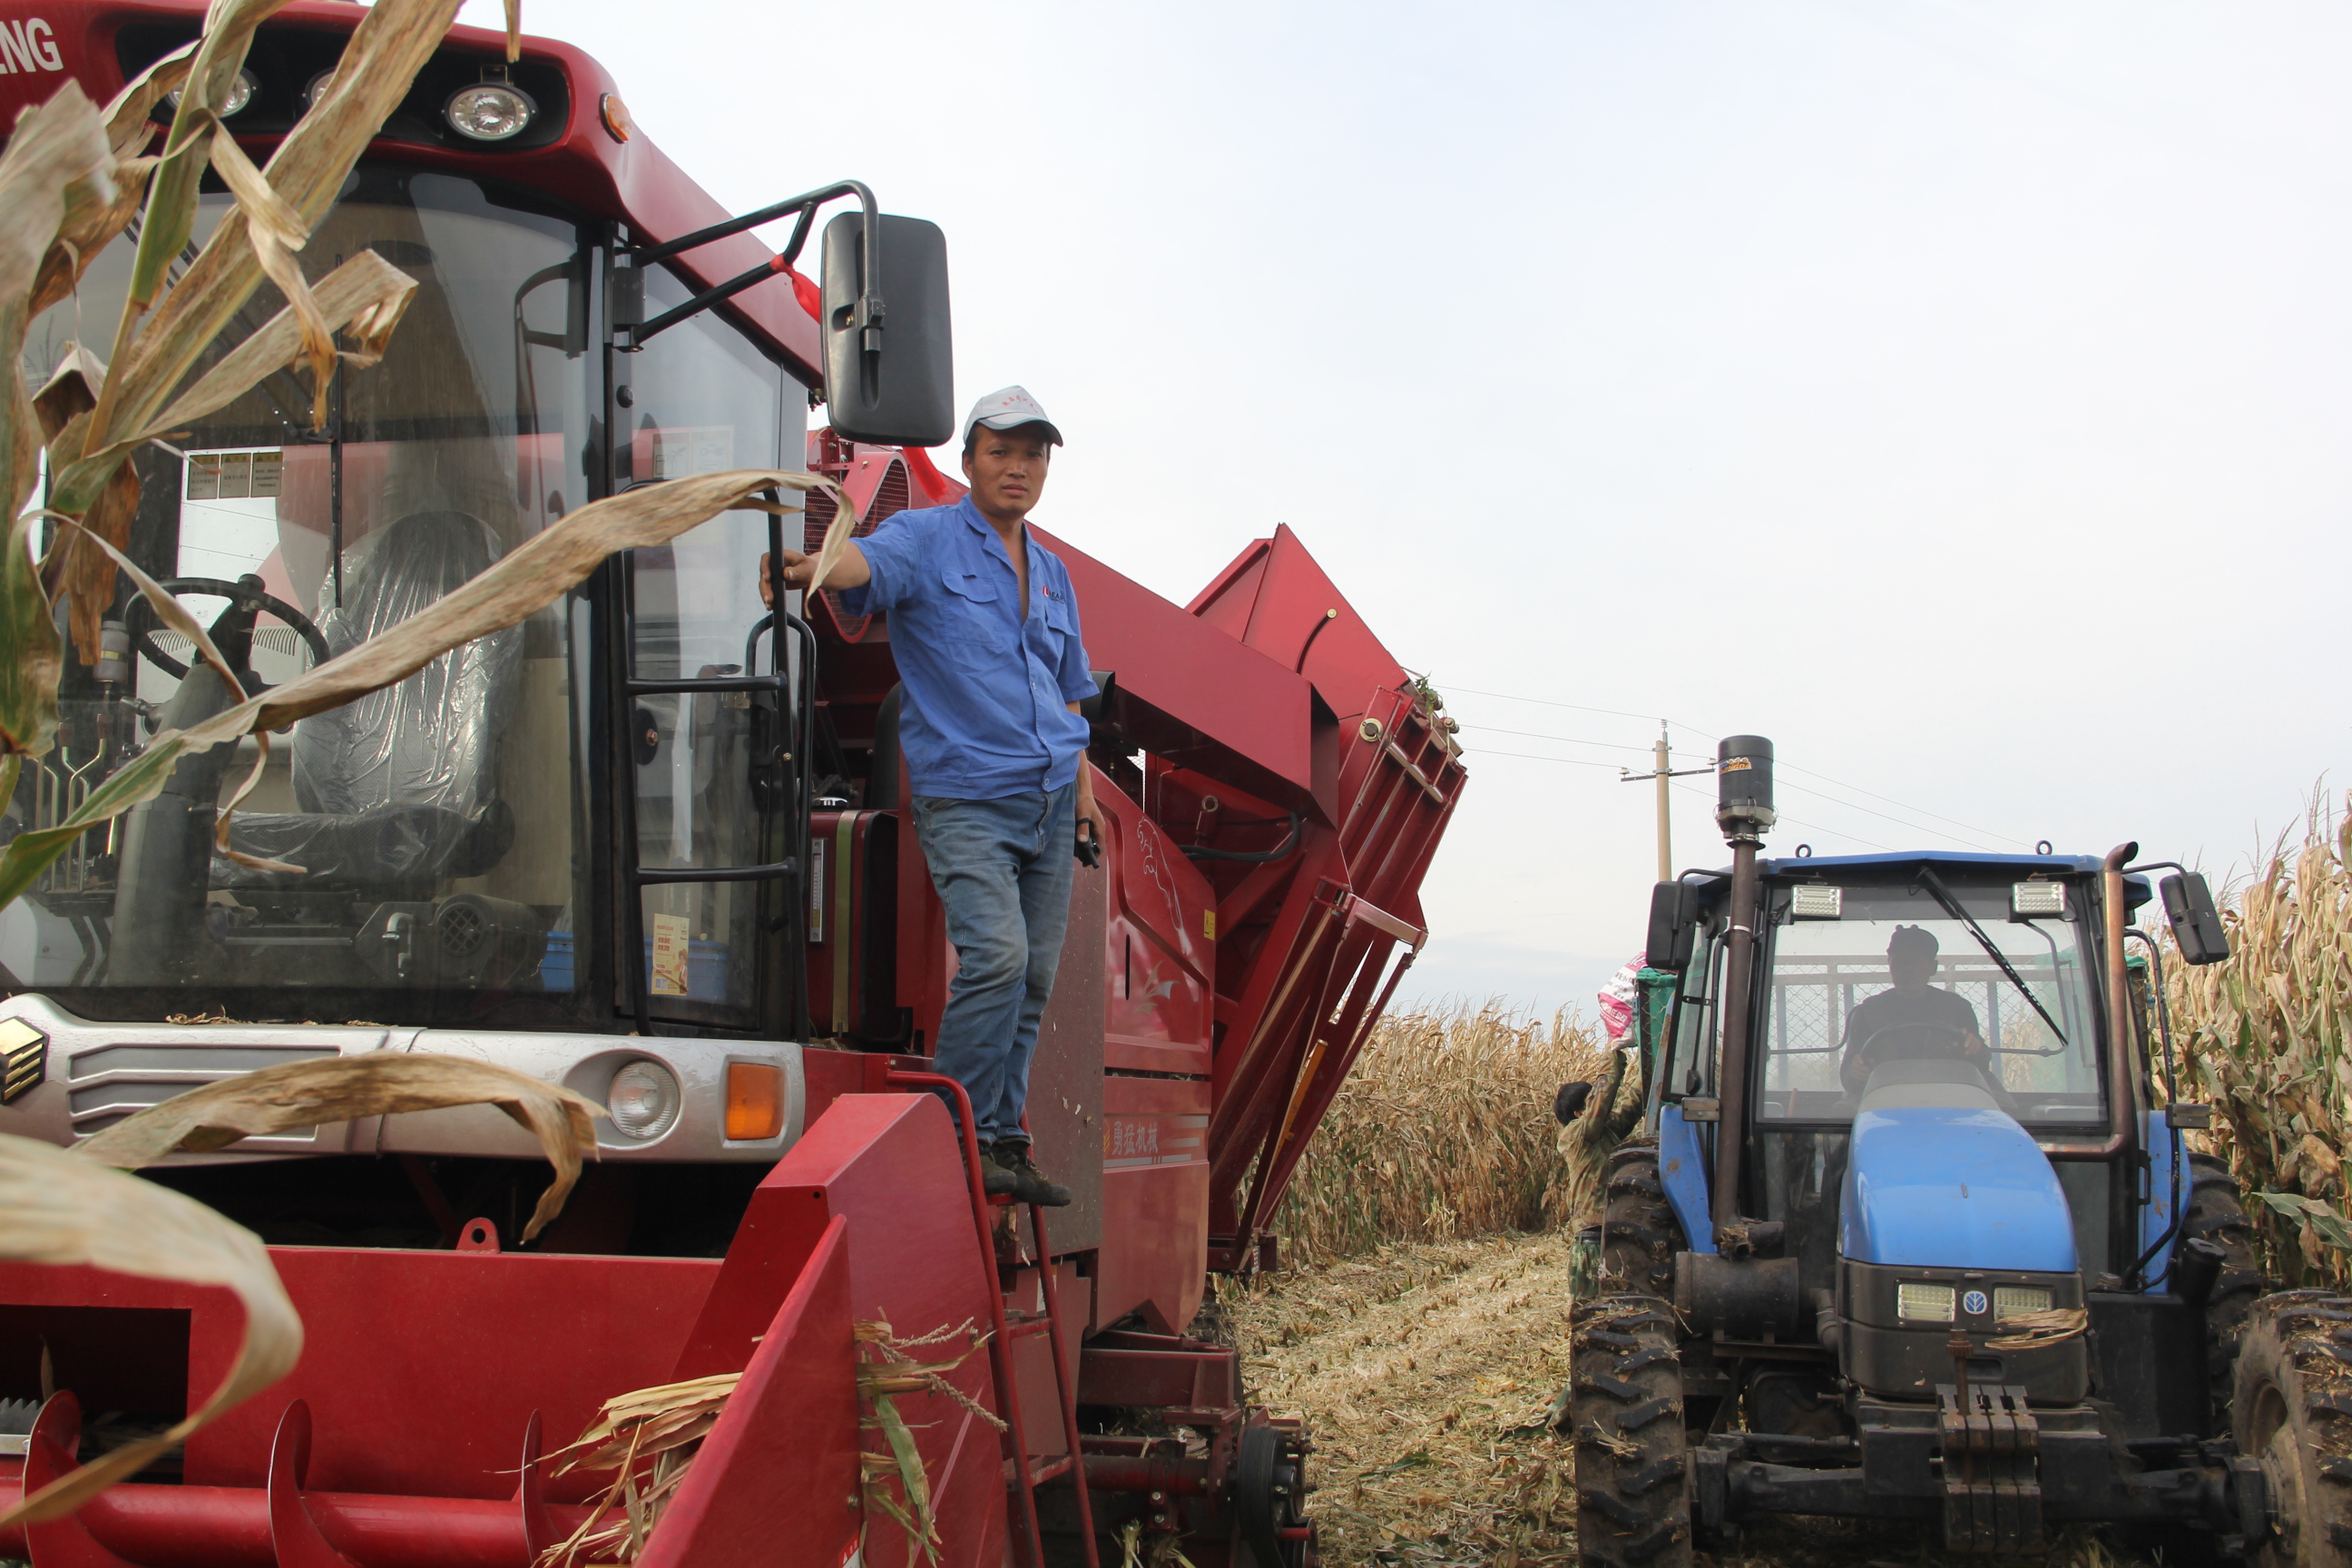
(971, 627)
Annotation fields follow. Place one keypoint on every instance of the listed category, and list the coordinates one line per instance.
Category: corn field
(1444, 1130)
(2267, 1038)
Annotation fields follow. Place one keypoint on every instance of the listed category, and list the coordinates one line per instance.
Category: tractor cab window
(1893, 987)
(425, 839)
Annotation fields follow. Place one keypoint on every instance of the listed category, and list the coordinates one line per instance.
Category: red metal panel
(888, 1163)
(775, 1484)
(493, 1336)
(1232, 711)
(1156, 1219)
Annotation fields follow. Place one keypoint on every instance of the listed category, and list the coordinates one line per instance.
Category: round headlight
(644, 1100)
(240, 93)
(489, 112)
(317, 85)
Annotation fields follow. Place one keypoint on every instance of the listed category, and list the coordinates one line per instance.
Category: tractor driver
(984, 627)
(1914, 1021)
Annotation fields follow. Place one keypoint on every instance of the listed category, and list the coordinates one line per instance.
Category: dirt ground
(1426, 1375)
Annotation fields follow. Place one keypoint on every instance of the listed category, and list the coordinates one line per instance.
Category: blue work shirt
(985, 713)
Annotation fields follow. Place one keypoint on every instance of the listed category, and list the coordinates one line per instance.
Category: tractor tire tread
(1631, 1454)
(2215, 1212)
(2284, 1415)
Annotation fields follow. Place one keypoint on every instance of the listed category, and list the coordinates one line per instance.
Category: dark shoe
(997, 1177)
(1033, 1186)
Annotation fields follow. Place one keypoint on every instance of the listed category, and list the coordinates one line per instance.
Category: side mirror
(2196, 923)
(1673, 926)
(895, 386)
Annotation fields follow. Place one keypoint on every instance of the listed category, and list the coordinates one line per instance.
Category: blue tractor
(1908, 1229)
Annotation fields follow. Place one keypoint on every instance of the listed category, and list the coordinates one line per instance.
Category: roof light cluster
(492, 109)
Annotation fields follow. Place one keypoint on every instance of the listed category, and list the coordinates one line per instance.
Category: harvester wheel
(1639, 1236)
(2215, 1214)
(2291, 1416)
(1625, 1419)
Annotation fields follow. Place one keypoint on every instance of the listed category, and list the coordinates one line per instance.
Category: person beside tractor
(985, 626)
(1913, 1020)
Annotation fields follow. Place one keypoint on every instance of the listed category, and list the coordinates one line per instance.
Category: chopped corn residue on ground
(1426, 1373)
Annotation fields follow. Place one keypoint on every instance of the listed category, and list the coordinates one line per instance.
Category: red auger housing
(633, 848)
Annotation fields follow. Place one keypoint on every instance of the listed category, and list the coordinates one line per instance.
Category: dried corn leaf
(381, 1083)
(646, 1421)
(393, 38)
(2033, 1330)
(57, 1207)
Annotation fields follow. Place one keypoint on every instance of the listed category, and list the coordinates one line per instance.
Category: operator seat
(1939, 1083)
(399, 789)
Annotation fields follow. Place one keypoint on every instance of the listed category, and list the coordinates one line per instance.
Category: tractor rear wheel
(2215, 1214)
(1639, 1236)
(1626, 1420)
(2287, 1416)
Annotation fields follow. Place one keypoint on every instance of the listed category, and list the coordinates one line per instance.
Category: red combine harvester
(650, 845)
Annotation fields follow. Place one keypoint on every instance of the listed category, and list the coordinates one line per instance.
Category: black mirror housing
(2196, 922)
(901, 393)
(1673, 926)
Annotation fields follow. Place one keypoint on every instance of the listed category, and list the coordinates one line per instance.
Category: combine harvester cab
(651, 845)
(1912, 1230)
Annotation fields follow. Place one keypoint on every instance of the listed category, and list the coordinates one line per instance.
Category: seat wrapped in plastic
(399, 788)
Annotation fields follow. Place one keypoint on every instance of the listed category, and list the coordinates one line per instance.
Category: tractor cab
(1912, 1208)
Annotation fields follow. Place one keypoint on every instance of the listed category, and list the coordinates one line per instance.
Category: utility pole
(1664, 770)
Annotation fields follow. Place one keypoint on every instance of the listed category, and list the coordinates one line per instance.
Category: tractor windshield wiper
(1943, 895)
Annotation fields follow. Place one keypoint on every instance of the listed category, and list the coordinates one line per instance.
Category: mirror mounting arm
(866, 317)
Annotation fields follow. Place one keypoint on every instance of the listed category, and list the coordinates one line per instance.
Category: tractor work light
(240, 93)
(644, 1100)
(2017, 1300)
(1924, 1303)
(1816, 902)
(492, 110)
(2039, 897)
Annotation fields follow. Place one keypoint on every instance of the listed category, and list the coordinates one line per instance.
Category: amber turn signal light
(755, 1101)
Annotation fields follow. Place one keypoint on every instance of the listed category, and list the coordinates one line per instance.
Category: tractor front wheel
(2290, 1414)
(1639, 1236)
(1625, 1419)
(2215, 1214)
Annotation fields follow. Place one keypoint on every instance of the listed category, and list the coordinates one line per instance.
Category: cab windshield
(440, 825)
(1893, 987)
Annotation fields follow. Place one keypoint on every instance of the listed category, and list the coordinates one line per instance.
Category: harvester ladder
(1026, 1473)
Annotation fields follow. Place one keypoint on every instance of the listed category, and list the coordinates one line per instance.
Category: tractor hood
(1938, 1176)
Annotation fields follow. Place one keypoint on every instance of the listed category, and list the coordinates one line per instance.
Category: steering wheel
(246, 597)
(1865, 1051)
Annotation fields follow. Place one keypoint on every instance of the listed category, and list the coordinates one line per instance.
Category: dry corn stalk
(891, 1372)
(1443, 1129)
(57, 1207)
(337, 1089)
(2266, 1037)
(647, 1438)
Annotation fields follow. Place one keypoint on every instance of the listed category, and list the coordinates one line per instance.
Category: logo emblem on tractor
(24, 1055)
(1974, 1303)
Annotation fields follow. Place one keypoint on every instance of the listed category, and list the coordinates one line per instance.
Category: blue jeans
(1002, 870)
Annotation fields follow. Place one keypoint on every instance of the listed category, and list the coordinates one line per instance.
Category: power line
(1571, 740)
(1531, 756)
(1780, 765)
(1799, 822)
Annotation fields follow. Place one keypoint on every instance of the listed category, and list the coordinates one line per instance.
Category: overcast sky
(1955, 394)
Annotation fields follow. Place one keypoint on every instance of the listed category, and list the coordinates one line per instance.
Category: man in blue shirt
(984, 628)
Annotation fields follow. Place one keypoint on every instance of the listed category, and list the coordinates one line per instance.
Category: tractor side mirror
(895, 386)
(2196, 923)
(1673, 926)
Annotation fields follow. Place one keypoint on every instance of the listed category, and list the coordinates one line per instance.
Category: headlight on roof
(240, 93)
(492, 110)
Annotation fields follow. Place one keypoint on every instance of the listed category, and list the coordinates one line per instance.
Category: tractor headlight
(644, 1100)
(1924, 1303)
(492, 111)
(2016, 1300)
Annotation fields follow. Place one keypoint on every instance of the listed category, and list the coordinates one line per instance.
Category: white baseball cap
(1007, 408)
